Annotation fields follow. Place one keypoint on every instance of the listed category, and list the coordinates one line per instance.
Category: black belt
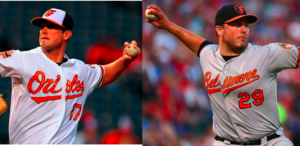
(256, 142)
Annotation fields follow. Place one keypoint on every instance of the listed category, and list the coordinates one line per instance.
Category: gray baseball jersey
(47, 99)
(243, 89)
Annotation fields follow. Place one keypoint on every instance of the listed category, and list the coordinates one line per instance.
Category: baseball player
(49, 89)
(240, 77)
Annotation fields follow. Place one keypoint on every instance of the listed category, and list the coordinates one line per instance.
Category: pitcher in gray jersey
(240, 77)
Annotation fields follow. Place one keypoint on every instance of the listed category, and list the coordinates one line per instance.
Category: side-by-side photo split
(150, 72)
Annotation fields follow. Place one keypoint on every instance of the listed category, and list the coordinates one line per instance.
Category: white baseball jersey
(47, 99)
(243, 89)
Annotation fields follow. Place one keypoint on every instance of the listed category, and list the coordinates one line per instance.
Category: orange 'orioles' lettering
(75, 85)
(230, 82)
(211, 83)
(242, 79)
(44, 84)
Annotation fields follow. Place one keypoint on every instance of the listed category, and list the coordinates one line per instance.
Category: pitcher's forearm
(114, 70)
(188, 38)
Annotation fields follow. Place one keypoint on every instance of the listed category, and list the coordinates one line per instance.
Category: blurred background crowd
(112, 114)
(176, 107)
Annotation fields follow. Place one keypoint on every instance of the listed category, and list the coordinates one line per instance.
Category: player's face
(51, 36)
(236, 34)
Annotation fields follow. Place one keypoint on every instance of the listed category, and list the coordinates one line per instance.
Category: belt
(256, 142)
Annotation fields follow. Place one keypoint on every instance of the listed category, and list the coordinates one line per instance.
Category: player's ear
(67, 34)
(219, 30)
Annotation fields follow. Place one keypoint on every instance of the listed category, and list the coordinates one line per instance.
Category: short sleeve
(95, 77)
(282, 56)
(205, 43)
(11, 64)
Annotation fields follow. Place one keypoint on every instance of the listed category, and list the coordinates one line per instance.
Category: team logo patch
(6, 54)
(239, 9)
(285, 46)
(49, 13)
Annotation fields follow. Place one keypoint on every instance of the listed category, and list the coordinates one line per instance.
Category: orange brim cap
(38, 20)
(229, 13)
(251, 18)
(56, 16)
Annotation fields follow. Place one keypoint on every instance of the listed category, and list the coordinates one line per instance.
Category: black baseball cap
(56, 16)
(231, 13)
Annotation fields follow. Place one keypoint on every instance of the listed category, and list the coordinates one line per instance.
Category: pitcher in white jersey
(240, 77)
(49, 89)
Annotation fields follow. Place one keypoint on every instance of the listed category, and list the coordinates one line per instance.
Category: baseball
(151, 17)
(131, 51)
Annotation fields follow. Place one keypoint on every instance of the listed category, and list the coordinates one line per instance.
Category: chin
(239, 47)
(243, 46)
(43, 46)
(47, 48)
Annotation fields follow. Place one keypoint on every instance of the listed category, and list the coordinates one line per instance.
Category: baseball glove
(3, 105)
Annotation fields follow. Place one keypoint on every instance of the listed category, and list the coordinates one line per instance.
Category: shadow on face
(234, 34)
(51, 36)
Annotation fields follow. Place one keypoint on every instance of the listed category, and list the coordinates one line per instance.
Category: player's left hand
(131, 51)
(3, 105)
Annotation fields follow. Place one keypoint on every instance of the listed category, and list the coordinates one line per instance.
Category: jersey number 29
(257, 95)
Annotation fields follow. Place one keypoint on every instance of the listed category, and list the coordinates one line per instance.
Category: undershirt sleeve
(202, 46)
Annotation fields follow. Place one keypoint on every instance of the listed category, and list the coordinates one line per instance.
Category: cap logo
(239, 9)
(49, 13)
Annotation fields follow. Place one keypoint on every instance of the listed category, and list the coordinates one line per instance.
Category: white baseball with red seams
(243, 90)
(47, 99)
(151, 17)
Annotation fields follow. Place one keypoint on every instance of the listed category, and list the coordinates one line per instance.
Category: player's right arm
(189, 39)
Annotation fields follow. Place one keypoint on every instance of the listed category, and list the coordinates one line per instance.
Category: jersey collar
(219, 56)
(65, 57)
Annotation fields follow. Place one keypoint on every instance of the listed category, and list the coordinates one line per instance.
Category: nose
(44, 29)
(243, 29)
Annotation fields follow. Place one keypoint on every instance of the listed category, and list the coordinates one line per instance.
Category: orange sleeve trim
(297, 65)
(102, 75)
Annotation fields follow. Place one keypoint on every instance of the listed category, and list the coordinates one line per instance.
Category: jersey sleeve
(205, 43)
(282, 56)
(95, 77)
(11, 64)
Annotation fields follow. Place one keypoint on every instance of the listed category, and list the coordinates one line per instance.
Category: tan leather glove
(3, 105)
